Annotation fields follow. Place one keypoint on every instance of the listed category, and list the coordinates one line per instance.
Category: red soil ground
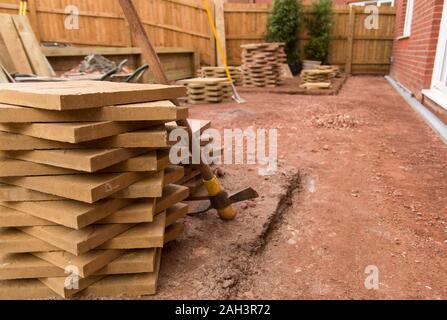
(362, 181)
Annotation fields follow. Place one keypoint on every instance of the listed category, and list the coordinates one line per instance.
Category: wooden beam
(13, 44)
(212, 42)
(148, 51)
(350, 41)
(34, 18)
(116, 51)
(220, 28)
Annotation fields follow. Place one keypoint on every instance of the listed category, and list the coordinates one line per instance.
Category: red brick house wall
(413, 57)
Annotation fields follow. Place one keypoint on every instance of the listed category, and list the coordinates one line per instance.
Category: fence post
(220, 28)
(350, 40)
(212, 51)
(34, 18)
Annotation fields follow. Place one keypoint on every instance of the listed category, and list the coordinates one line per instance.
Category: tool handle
(226, 212)
(219, 44)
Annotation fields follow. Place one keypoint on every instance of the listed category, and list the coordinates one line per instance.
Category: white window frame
(408, 18)
(372, 2)
(438, 91)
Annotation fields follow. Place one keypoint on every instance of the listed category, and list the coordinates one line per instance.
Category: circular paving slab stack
(261, 64)
(219, 72)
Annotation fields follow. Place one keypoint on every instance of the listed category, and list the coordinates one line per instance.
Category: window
(408, 18)
(440, 70)
(374, 3)
(438, 91)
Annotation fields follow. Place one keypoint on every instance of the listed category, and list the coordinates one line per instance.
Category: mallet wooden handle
(151, 57)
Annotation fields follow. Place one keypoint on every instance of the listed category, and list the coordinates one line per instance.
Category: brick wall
(413, 57)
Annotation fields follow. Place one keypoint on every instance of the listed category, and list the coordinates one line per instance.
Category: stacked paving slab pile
(320, 78)
(336, 73)
(207, 90)
(261, 64)
(219, 72)
(282, 56)
(86, 188)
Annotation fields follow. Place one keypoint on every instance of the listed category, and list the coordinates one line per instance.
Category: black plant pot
(295, 68)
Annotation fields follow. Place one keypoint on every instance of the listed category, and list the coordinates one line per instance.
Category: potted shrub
(283, 26)
(319, 25)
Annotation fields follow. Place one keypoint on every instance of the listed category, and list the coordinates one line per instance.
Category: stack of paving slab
(336, 73)
(88, 197)
(282, 56)
(261, 64)
(220, 72)
(207, 90)
(320, 78)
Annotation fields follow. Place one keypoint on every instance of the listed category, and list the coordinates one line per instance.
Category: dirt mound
(335, 121)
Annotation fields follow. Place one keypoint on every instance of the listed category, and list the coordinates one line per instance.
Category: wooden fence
(184, 23)
(169, 23)
(360, 49)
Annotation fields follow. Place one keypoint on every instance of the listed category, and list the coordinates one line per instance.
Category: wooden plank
(173, 174)
(34, 18)
(350, 41)
(139, 212)
(58, 285)
(37, 59)
(148, 162)
(76, 242)
(3, 78)
(24, 289)
(16, 241)
(150, 187)
(68, 213)
(11, 193)
(88, 160)
(73, 132)
(109, 286)
(149, 138)
(5, 58)
(212, 42)
(88, 263)
(133, 261)
(172, 194)
(71, 95)
(53, 264)
(107, 51)
(132, 285)
(153, 111)
(173, 232)
(14, 46)
(141, 236)
(26, 266)
(87, 188)
(175, 213)
(220, 28)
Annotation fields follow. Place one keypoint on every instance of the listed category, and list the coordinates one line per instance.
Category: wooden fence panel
(371, 48)
(178, 23)
(184, 23)
(170, 23)
(244, 23)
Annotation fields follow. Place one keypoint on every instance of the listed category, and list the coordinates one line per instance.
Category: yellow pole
(23, 7)
(219, 44)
